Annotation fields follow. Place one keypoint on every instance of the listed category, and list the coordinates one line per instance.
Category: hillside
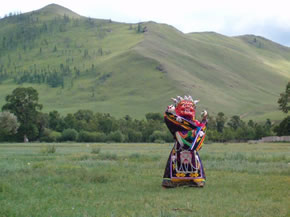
(82, 63)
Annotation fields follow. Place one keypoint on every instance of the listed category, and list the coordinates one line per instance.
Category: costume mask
(186, 109)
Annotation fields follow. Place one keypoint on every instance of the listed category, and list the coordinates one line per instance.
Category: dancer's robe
(184, 166)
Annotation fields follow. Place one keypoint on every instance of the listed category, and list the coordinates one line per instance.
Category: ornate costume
(184, 166)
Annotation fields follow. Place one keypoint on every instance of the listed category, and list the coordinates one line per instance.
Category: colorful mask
(186, 109)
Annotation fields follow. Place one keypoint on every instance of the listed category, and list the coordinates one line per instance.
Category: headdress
(179, 99)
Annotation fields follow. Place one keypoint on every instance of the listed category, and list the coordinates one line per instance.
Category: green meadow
(73, 179)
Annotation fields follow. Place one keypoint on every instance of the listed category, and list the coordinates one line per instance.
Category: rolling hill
(77, 62)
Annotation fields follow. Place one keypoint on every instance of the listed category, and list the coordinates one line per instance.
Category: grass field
(125, 180)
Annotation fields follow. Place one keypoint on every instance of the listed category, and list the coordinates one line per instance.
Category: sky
(267, 18)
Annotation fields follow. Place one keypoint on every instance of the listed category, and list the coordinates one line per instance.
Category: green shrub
(50, 136)
(69, 135)
(134, 136)
(158, 136)
(85, 136)
(115, 136)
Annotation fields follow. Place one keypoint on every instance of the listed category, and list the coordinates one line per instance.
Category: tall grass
(48, 149)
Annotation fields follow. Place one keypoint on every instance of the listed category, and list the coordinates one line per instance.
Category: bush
(50, 136)
(69, 135)
(283, 129)
(85, 136)
(134, 136)
(160, 136)
(154, 116)
(32, 131)
(168, 137)
(115, 136)
(8, 123)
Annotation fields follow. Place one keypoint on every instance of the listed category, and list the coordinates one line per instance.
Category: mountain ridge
(58, 10)
(136, 68)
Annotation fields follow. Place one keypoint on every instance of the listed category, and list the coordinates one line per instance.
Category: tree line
(52, 76)
(21, 118)
(222, 129)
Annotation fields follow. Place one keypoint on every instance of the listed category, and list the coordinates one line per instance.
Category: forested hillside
(77, 62)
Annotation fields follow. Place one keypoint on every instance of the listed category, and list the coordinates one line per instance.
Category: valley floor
(125, 180)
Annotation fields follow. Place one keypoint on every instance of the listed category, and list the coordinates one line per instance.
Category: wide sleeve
(176, 123)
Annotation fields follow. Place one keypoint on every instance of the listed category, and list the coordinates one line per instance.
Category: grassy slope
(262, 72)
(134, 86)
(125, 180)
(227, 74)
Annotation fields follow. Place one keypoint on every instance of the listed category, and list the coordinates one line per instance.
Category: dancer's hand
(171, 109)
(204, 114)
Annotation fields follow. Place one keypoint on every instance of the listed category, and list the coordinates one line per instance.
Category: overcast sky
(267, 18)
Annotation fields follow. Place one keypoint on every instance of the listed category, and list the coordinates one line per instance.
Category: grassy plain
(125, 180)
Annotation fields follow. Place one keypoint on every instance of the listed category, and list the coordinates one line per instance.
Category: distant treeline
(22, 119)
(53, 76)
(86, 126)
(222, 129)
